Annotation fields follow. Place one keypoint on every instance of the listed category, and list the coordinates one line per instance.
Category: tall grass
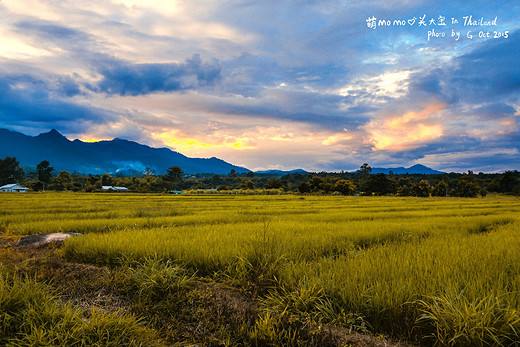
(31, 316)
(438, 270)
(459, 320)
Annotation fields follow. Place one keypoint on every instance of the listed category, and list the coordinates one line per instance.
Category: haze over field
(317, 85)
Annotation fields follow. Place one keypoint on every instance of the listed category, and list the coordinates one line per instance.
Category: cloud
(51, 31)
(68, 86)
(479, 91)
(495, 111)
(320, 110)
(406, 131)
(26, 101)
(58, 39)
(120, 78)
(492, 160)
(481, 75)
(286, 84)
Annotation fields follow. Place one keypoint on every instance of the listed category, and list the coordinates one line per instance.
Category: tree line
(361, 182)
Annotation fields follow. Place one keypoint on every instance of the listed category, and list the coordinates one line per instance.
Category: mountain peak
(53, 134)
(118, 139)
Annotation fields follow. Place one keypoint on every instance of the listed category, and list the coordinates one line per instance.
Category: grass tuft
(461, 321)
(31, 316)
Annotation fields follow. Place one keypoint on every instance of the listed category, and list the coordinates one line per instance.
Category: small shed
(13, 188)
(115, 189)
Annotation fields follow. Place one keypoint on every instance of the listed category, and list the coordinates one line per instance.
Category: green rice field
(441, 271)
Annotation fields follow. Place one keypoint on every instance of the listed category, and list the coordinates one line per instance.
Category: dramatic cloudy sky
(272, 84)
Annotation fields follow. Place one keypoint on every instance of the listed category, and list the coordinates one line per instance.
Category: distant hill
(281, 172)
(416, 169)
(115, 156)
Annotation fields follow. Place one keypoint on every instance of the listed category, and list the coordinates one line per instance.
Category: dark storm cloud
(122, 78)
(50, 30)
(68, 86)
(322, 111)
(445, 144)
(26, 100)
(495, 111)
(484, 74)
(490, 70)
(49, 33)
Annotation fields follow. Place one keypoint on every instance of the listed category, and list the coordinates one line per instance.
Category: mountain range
(276, 172)
(116, 156)
(126, 157)
(416, 169)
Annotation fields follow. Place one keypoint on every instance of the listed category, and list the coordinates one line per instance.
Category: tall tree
(148, 172)
(507, 181)
(422, 189)
(365, 169)
(63, 181)
(404, 186)
(441, 189)
(345, 187)
(467, 187)
(275, 183)
(174, 173)
(379, 184)
(44, 171)
(304, 187)
(106, 180)
(10, 171)
(247, 184)
(316, 183)
(216, 180)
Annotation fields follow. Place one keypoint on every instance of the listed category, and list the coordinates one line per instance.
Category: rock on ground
(43, 239)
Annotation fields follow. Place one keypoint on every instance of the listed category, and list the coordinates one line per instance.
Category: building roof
(113, 188)
(13, 186)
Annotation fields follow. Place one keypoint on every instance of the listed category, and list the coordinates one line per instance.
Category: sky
(319, 85)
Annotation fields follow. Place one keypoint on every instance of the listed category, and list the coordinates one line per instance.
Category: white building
(114, 188)
(13, 188)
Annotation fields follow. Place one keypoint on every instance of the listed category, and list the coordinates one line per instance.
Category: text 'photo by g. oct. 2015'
(436, 26)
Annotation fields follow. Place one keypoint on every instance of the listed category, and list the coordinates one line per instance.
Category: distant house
(115, 189)
(13, 188)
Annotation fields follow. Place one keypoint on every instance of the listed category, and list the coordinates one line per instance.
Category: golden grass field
(440, 271)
